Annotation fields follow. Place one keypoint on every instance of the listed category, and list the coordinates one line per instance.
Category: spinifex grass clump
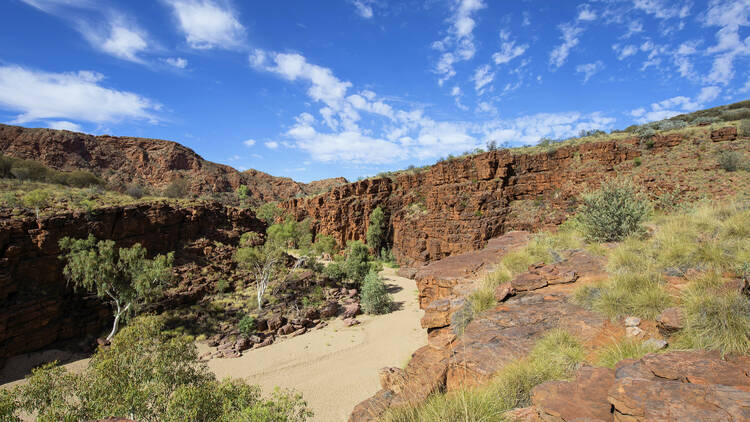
(555, 356)
(625, 348)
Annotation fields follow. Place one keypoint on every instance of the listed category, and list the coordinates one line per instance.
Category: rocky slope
(457, 205)
(38, 308)
(151, 162)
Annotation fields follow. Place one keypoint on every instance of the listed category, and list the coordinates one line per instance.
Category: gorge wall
(457, 205)
(38, 308)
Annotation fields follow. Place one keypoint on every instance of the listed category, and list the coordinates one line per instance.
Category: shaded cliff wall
(38, 308)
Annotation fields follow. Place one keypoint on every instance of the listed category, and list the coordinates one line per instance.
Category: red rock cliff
(37, 308)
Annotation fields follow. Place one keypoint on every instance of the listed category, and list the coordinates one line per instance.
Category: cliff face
(150, 162)
(38, 308)
(456, 206)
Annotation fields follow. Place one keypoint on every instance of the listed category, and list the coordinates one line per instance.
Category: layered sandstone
(458, 205)
(152, 163)
(38, 308)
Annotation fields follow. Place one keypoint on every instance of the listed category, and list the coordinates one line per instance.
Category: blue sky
(316, 89)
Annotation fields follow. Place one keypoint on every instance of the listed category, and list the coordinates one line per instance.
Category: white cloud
(676, 105)
(177, 62)
(249, 142)
(661, 10)
(508, 49)
(482, 77)
(626, 51)
(730, 16)
(38, 95)
(634, 27)
(111, 33)
(208, 24)
(64, 125)
(589, 69)
(272, 144)
(363, 8)
(460, 38)
(569, 37)
(586, 14)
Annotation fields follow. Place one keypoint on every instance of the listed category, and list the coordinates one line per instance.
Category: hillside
(151, 163)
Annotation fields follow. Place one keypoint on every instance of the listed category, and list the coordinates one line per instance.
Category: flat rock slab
(585, 398)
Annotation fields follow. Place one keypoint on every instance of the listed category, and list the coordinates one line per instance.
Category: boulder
(350, 322)
(312, 313)
(267, 342)
(350, 311)
(301, 331)
(670, 320)
(275, 322)
(727, 133)
(286, 329)
(584, 398)
(632, 321)
(329, 310)
(528, 281)
(503, 291)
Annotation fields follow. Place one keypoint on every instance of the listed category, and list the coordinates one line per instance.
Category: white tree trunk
(116, 325)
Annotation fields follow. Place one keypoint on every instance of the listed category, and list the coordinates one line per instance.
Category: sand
(334, 368)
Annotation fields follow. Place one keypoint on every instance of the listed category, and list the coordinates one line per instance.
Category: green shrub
(148, 375)
(177, 189)
(291, 234)
(716, 317)
(5, 166)
(82, 179)
(36, 199)
(31, 170)
(613, 212)
(246, 326)
(555, 356)
(8, 407)
(335, 271)
(377, 230)
(268, 212)
(325, 244)
(730, 160)
(375, 297)
(357, 263)
(637, 161)
(624, 349)
(314, 298)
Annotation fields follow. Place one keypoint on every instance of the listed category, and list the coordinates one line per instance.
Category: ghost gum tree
(123, 276)
(265, 261)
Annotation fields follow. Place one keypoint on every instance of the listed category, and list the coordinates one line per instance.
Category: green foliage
(637, 161)
(242, 192)
(268, 212)
(177, 189)
(717, 317)
(291, 234)
(6, 164)
(246, 326)
(335, 270)
(377, 230)
(325, 244)
(730, 161)
(149, 376)
(8, 404)
(314, 298)
(555, 356)
(266, 261)
(613, 212)
(375, 297)
(82, 179)
(744, 128)
(37, 199)
(222, 285)
(626, 348)
(357, 263)
(124, 276)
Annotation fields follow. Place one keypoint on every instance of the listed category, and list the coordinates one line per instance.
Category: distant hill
(152, 163)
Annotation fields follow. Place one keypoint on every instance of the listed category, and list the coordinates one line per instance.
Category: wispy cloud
(364, 8)
(569, 34)
(590, 69)
(458, 45)
(78, 96)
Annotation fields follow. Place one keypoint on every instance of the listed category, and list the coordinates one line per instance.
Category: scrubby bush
(555, 356)
(268, 212)
(5, 166)
(291, 234)
(242, 192)
(730, 160)
(375, 297)
(246, 326)
(357, 263)
(8, 407)
(736, 114)
(134, 190)
(30, 170)
(335, 270)
(377, 230)
(82, 179)
(613, 212)
(148, 375)
(177, 189)
(36, 199)
(325, 244)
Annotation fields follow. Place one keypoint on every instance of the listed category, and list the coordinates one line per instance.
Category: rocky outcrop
(457, 205)
(149, 162)
(675, 386)
(38, 308)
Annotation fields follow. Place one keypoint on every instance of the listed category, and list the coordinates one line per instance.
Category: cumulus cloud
(64, 125)
(272, 145)
(38, 95)
(249, 142)
(676, 105)
(586, 14)
(460, 39)
(208, 24)
(729, 16)
(569, 36)
(625, 51)
(663, 10)
(589, 69)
